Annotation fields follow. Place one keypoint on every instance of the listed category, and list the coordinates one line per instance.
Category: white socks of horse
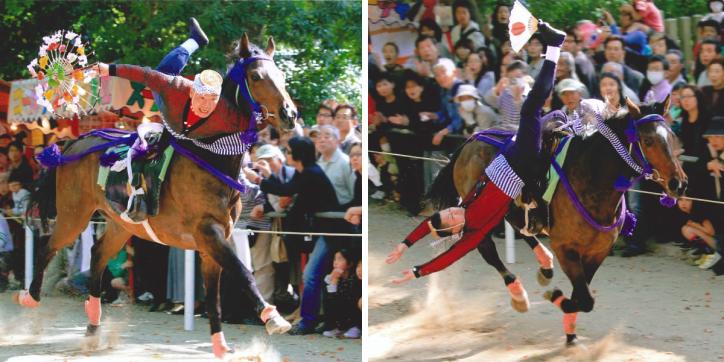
(190, 45)
(553, 53)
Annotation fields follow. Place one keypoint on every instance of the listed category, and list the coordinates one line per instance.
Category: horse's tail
(442, 192)
(44, 197)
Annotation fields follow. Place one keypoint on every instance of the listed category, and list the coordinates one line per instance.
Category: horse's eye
(648, 142)
(255, 76)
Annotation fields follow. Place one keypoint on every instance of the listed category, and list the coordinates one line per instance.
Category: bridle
(633, 156)
(259, 113)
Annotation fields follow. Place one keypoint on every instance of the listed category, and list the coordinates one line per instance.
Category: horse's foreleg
(545, 259)
(211, 241)
(107, 247)
(518, 295)
(212, 274)
(581, 299)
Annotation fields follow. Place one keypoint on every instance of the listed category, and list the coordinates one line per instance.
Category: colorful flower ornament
(67, 86)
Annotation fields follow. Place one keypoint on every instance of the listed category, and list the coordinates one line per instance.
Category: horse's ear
(633, 109)
(667, 104)
(270, 47)
(244, 51)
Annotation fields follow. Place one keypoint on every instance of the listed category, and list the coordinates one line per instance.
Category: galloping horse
(197, 210)
(593, 166)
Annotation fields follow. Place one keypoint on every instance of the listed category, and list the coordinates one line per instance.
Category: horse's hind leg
(104, 249)
(518, 295)
(212, 273)
(544, 257)
(67, 228)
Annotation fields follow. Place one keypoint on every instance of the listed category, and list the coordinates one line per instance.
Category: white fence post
(509, 243)
(28, 257)
(189, 284)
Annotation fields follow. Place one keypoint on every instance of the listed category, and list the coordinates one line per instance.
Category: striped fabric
(228, 145)
(502, 175)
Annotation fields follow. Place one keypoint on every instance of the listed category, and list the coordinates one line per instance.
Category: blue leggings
(522, 154)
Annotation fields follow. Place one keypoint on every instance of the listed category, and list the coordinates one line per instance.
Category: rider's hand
(396, 254)
(102, 69)
(407, 276)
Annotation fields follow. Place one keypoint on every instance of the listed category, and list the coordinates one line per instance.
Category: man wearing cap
(571, 92)
(474, 113)
(486, 205)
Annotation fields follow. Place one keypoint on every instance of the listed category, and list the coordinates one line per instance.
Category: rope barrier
(253, 231)
(632, 190)
(683, 197)
(414, 157)
(323, 214)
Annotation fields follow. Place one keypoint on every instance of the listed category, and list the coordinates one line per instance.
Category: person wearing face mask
(717, 11)
(656, 87)
(475, 114)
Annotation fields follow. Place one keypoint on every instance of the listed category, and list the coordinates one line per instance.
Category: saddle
(529, 213)
(149, 165)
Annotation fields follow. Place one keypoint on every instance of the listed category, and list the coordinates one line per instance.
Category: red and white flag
(522, 26)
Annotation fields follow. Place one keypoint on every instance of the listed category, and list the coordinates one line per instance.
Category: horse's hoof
(552, 295)
(24, 298)
(520, 306)
(91, 330)
(518, 296)
(572, 342)
(544, 276)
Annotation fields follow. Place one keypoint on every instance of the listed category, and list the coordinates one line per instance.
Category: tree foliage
(318, 43)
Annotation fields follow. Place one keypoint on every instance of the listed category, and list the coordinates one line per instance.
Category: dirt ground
(54, 332)
(648, 308)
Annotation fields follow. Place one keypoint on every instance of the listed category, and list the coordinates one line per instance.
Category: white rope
(632, 190)
(414, 157)
(682, 197)
(252, 231)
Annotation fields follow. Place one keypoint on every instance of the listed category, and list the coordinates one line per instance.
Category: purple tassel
(249, 137)
(622, 184)
(667, 201)
(108, 159)
(629, 224)
(50, 157)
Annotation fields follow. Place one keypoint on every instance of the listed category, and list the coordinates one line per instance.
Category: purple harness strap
(234, 184)
(582, 209)
(52, 157)
(494, 137)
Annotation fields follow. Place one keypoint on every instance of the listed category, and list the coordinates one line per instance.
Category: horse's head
(261, 84)
(658, 144)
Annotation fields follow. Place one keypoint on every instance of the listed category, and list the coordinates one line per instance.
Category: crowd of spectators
(289, 179)
(466, 78)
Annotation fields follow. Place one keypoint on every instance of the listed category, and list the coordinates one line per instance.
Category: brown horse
(592, 166)
(197, 210)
